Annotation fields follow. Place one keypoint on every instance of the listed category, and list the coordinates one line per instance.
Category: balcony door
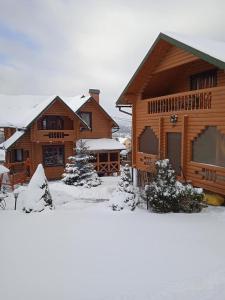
(174, 150)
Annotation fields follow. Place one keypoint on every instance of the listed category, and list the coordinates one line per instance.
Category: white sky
(65, 47)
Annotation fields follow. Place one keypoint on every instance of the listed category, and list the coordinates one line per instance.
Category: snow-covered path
(84, 251)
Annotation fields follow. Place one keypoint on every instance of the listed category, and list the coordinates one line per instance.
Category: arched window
(209, 147)
(148, 141)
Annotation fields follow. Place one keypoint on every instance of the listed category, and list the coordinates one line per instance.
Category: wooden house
(40, 129)
(177, 97)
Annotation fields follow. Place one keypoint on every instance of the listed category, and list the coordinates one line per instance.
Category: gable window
(53, 155)
(52, 123)
(203, 80)
(148, 141)
(87, 118)
(209, 147)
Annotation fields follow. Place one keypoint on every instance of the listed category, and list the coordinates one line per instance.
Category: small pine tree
(166, 194)
(125, 182)
(37, 195)
(124, 195)
(80, 171)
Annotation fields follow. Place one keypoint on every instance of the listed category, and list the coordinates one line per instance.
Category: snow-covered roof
(13, 138)
(76, 102)
(3, 169)
(2, 155)
(20, 110)
(103, 144)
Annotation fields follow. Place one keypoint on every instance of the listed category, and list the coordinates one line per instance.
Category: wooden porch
(107, 163)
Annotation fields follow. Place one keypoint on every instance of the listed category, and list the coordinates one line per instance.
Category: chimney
(95, 94)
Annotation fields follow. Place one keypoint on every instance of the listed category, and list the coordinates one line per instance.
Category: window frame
(218, 137)
(15, 155)
(89, 113)
(44, 147)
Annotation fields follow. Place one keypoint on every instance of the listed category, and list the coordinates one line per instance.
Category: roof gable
(100, 108)
(212, 52)
(20, 111)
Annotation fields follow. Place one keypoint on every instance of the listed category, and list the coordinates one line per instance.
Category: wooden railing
(193, 100)
(19, 172)
(107, 167)
(209, 173)
(53, 135)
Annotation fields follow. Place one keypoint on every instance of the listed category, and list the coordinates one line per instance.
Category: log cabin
(177, 96)
(40, 129)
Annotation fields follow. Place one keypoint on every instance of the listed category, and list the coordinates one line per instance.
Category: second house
(40, 129)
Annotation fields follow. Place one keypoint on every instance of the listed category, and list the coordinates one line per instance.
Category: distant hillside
(124, 131)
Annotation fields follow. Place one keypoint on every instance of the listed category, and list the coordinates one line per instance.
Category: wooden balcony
(46, 136)
(187, 101)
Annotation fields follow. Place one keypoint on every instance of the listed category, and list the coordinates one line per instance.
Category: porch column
(135, 177)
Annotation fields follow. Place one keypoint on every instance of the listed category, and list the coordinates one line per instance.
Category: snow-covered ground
(83, 250)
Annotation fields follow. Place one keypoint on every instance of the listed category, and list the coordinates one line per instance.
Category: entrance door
(174, 150)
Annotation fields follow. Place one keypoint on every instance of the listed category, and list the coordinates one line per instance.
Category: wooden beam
(161, 152)
(184, 144)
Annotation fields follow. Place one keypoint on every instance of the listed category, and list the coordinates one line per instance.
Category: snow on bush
(37, 196)
(80, 171)
(166, 194)
(124, 196)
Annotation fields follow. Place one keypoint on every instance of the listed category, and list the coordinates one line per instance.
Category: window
(87, 118)
(148, 141)
(17, 155)
(209, 147)
(52, 123)
(53, 155)
(203, 80)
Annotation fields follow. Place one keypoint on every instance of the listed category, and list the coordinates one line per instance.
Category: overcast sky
(65, 47)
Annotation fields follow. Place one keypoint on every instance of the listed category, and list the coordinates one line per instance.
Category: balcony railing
(193, 100)
(53, 135)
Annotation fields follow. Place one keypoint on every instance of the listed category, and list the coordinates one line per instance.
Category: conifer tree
(37, 195)
(124, 195)
(165, 194)
(80, 171)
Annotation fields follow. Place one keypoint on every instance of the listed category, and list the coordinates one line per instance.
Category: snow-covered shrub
(80, 171)
(166, 194)
(190, 199)
(124, 194)
(37, 196)
(3, 195)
